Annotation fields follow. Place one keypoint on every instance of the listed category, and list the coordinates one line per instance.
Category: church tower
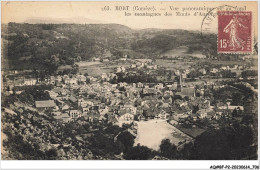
(179, 86)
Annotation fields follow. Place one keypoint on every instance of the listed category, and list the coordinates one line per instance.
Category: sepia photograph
(129, 80)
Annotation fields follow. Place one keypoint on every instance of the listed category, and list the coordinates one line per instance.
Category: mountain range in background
(73, 20)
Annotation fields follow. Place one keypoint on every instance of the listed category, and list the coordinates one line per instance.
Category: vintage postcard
(129, 80)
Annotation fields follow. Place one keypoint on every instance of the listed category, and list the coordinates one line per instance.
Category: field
(93, 68)
(151, 133)
(97, 68)
(173, 64)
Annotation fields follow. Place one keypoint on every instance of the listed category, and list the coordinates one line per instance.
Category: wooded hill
(47, 46)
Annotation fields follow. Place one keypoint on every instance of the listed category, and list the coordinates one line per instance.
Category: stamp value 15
(235, 32)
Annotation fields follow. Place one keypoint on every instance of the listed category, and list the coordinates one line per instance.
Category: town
(139, 90)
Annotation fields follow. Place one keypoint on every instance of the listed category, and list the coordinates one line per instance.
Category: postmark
(235, 32)
(209, 23)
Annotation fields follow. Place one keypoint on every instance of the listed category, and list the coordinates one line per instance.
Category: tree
(195, 109)
(194, 74)
(185, 153)
(248, 119)
(138, 153)
(233, 142)
(168, 149)
(118, 147)
(51, 154)
(234, 113)
(127, 139)
(211, 145)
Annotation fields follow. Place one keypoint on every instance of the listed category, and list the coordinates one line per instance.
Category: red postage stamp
(234, 32)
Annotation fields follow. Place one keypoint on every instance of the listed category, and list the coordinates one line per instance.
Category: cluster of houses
(96, 99)
(124, 103)
(106, 102)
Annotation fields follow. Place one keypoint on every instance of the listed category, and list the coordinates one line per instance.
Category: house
(72, 99)
(102, 118)
(85, 109)
(149, 91)
(133, 66)
(74, 114)
(212, 115)
(175, 85)
(183, 103)
(163, 115)
(204, 105)
(217, 116)
(65, 107)
(150, 67)
(225, 67)
(53, 94)
(65, 78)
(25, 82)
(112, 118)
(65, 117)
(165, 105)
(177, 72)
(52, 80)
(231, 107)
(159, 86)
(179, 116)
(81, 78)
(120, 69)
(162, 78)
(130, 106)
(45, 104)
(85, 103)
(58, 79)
(227, 106)
(105, 60)
(18, 82)
(139, 117)
(57, 113)
(214, 70)
(203, 71)
(149, 114)
(92, 116)
(194, 117)
(58, 84)
(64, 92)
(29, 82)
(202, 113)
(104, 111)
(73, 81)
(215, 126)
(104, 76)
(125, 118)
(186, 91)
(140, 85)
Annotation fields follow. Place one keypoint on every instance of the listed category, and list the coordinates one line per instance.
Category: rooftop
(45, 103)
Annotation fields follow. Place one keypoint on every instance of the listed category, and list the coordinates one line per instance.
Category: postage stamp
(234, 32)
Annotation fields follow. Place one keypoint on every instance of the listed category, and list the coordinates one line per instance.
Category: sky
(21, 11)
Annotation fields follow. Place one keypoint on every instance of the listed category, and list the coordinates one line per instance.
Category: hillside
(47, 46)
